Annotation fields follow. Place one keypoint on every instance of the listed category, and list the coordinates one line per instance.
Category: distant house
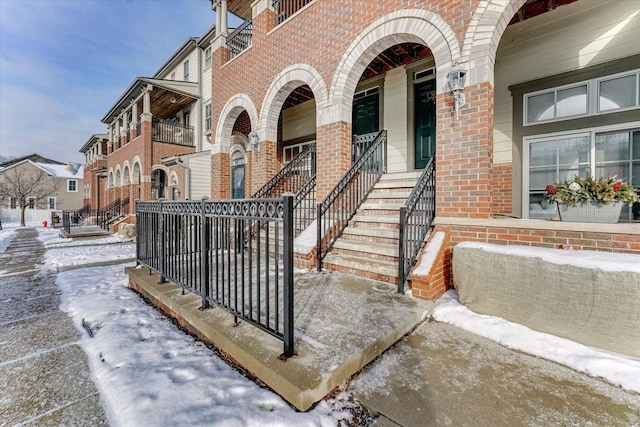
(67, 178)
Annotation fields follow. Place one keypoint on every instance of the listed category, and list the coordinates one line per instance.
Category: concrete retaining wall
(585, 296)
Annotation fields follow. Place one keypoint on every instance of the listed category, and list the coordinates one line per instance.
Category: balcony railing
(173, 133)
(285, 8)
(240, 39)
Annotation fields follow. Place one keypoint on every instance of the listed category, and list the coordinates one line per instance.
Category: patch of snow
(617, 369)
(430, 255)
(606, 261)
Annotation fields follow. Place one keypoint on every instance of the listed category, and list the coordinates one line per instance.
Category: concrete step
(383, 271)
(384, 221)
(367, 249)
(384, 196)
(381, 206)
(413, 175)
(381, 185)
(371, 232)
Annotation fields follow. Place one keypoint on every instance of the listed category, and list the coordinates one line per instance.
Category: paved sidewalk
(441, 375)
(44, 375)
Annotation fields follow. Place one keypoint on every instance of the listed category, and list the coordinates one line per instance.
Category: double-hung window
(72, 185)
(185, 73)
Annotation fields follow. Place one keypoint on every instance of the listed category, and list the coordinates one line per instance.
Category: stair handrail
(342, 202)
(416, 218)
(306, 155)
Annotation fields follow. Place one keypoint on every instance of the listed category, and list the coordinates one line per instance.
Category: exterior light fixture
(253, 141)
(455, 80)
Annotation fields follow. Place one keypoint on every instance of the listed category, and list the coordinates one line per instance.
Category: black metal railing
(298, 177)
(293, 176)
(173, 133)
(342, 202)
(240, 39)
(416, 218)
(203, 246)
(104, 217)
(360, 144)
(285, 8)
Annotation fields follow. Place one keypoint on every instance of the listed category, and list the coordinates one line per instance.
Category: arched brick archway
(483, 37)
(230, 112)
(405, 26)
(281, 87)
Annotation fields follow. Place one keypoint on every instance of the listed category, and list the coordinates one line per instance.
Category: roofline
(176, 54)
(92, 139)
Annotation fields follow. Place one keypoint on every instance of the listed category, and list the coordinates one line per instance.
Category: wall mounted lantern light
(253, 141)
(455, 80)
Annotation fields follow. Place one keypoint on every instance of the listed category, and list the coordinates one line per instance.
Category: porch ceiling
(165, 103)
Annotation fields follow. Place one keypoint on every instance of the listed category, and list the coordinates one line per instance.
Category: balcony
(172, 133)
(240, 39)
(286, 8)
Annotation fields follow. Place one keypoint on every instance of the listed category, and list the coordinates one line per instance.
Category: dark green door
(425, 122)
(366, 114)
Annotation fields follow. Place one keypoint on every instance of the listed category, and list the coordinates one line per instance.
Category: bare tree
(22, 185)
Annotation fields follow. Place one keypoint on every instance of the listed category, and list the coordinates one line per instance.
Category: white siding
(200, 185)
(395, 118)
(299, 121)
(572, 37)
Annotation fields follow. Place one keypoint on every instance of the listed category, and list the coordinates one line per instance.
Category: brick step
(363, 267)
(369, 250)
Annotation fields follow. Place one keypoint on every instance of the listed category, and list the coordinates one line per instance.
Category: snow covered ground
(151, 373)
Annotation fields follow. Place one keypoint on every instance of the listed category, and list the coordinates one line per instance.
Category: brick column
(333, 156)
(265, 165)
(220, 176)
(464, 154)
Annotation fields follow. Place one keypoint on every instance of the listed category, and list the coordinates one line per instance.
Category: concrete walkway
(44, 375)
(441, 375)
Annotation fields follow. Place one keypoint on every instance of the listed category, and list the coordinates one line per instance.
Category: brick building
(552, 89)
(158, 131)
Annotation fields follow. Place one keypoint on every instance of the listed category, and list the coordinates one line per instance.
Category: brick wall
(305, 39)
(465, 155)
(502, 190)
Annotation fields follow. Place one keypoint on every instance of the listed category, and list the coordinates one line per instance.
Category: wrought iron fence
(342, 202)
(285, 8)
(416, 218)
(235, 254)
(240, 39)
(173, 133)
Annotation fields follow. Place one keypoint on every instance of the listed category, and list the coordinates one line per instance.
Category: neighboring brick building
(158, 131)
(552, 89)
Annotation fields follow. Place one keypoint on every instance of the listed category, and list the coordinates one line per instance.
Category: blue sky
(63, 63)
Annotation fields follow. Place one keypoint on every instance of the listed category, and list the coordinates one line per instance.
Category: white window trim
(209, 117)
(555, 90)
(207, 57)
(300, 145)
(55, 203)
(68, 187)
(593, 98)
(28, 204)
(612, 77)
(526, 142)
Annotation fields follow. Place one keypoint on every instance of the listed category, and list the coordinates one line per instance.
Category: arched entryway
(159, 182)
